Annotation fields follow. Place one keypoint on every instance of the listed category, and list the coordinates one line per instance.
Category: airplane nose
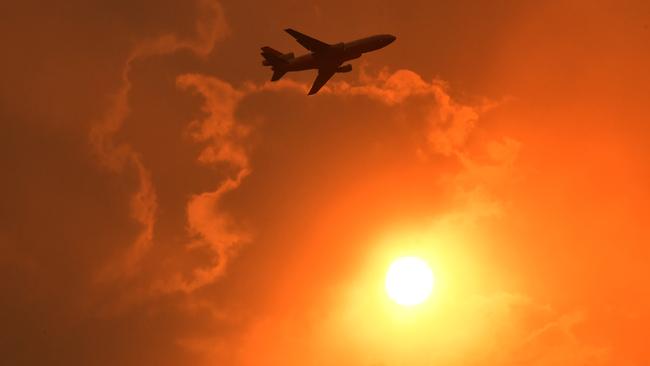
(391, 38)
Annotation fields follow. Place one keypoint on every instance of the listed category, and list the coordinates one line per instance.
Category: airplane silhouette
(324, 57)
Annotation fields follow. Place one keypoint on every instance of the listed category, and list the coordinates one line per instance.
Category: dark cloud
(66, 215)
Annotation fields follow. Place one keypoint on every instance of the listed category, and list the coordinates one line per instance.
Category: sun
(409, 281)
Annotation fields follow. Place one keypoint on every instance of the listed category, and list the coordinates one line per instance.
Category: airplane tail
(277, 60)
(277, 75)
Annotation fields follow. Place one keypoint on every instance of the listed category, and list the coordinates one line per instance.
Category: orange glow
(164, 203)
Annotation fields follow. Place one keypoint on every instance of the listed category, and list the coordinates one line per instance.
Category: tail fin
(277, 60)
(274, 57)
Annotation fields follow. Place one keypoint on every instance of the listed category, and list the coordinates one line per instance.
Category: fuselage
(339, 53)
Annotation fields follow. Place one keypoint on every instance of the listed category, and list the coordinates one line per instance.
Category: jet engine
(344, 68)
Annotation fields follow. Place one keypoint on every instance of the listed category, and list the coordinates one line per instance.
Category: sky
(163, 203)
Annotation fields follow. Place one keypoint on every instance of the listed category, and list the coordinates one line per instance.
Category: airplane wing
(308, 42)
(323, 76)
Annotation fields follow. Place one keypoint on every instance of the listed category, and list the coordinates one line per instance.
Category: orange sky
(163, 204)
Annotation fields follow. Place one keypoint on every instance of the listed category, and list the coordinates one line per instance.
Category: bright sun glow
(409, 281)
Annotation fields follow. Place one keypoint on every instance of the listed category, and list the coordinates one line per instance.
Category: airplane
(327, 58)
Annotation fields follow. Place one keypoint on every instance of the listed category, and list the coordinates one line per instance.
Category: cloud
(117, 156)
(219, 130)
(447, 127)
(226, 216)
(223, 137)
(520, 331)
(449, 122)
(556, 343)
(211, 231)
(506, 328)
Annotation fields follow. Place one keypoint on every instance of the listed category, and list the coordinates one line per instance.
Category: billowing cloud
(117, 156)
(164, 205)
(447, 126)
(504, 328)
(223, 138)
(449, 123)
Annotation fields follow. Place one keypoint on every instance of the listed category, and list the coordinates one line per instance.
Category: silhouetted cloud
(209, 27)
(207, 223)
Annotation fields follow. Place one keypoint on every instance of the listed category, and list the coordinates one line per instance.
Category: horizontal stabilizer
(274, 57)
(277, 74)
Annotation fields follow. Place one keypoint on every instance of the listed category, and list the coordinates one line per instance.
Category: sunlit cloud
(118, 156)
